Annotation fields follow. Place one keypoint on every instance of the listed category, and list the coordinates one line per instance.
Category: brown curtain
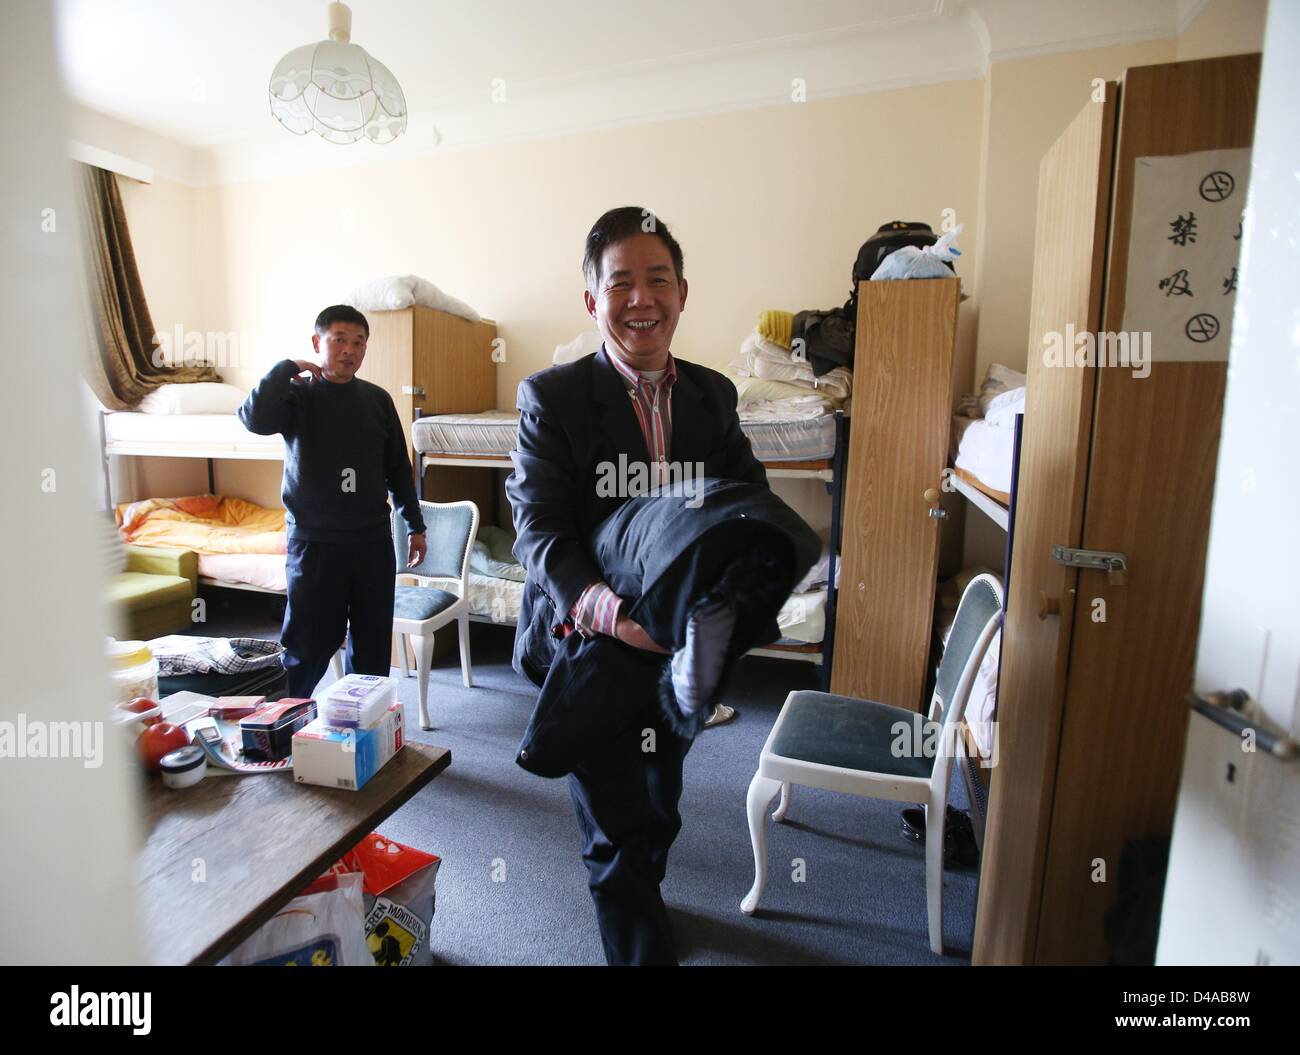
(124, 370)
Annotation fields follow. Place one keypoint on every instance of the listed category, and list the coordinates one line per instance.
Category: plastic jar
(134, 670)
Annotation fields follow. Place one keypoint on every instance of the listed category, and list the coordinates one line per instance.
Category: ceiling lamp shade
(337, 90)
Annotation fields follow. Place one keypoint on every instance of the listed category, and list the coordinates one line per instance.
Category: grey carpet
(512, 888)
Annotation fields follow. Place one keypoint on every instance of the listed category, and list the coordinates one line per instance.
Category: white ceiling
(195, 72)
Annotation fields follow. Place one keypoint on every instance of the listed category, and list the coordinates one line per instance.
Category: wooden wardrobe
(431, 362)
(898, 449)
(1091, 712)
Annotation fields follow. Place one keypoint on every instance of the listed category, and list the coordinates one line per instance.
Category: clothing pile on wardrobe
(788, 369)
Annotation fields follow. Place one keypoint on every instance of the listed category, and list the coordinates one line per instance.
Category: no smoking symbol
(1201, 328)
(1218, 186)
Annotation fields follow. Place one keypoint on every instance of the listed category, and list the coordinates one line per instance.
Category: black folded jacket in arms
(705, 573)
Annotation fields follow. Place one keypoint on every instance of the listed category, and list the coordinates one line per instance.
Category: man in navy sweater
(345, 451)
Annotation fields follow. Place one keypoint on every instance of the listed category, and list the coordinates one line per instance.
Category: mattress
(264, 570)
(492, 433)
(199, 434)
(495, 599)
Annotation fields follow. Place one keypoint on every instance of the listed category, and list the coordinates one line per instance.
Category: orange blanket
(204, 524)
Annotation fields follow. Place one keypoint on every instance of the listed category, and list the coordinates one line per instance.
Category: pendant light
(336, 89)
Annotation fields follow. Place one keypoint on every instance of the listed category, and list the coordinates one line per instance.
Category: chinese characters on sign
(1183, 252)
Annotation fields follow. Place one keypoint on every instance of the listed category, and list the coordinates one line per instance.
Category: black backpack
(893, 235)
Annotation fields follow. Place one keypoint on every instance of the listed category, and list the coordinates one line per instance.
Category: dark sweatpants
(626, 800)
(332, 586)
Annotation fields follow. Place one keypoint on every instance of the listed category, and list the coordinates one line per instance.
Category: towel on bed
(204, 524)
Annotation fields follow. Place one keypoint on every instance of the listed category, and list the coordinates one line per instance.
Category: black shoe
(960, 850)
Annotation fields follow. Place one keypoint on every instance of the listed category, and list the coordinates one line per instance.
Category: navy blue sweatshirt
(345, 450)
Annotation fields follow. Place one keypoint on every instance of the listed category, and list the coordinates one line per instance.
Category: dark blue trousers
(333, 587)
(626, 796)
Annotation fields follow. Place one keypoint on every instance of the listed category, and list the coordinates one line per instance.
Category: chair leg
(423, 660)
(401, 651)
(787, 793)
(466, 673)
(762, 790)
(934, 824)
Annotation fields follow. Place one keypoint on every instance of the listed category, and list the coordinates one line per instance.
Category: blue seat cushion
(420, 602)
(853, 734)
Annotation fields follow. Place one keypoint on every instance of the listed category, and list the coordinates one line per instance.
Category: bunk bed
(986, 496)
(208, 437)
(806, 448)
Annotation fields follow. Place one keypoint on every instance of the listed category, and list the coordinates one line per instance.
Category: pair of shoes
(721, 715)
(960, 850)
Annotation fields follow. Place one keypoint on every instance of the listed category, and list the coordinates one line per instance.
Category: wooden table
(221, 858)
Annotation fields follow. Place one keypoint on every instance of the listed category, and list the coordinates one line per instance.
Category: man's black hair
(616, 226)
(341, 313)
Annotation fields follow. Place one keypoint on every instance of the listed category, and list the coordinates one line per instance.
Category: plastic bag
(323, 927)
(928, 262)
(399, 898)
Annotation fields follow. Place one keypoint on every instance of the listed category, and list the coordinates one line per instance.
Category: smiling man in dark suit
(632, 401)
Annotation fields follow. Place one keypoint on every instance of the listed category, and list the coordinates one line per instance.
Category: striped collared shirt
(597, 608)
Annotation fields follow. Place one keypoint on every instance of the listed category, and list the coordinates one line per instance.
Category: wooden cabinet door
(1150, 490)
(1069, 258)
(898, 448)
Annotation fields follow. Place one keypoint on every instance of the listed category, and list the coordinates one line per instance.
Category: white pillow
(401, 291)
(203, 397)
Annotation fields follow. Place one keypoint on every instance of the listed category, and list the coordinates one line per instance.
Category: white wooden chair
(434, 592)
(871, 749)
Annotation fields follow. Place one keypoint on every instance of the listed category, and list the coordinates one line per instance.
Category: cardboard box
(345, 758)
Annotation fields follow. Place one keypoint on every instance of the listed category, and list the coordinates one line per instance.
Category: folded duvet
(204, 524)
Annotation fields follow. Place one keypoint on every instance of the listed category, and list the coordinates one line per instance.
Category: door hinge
(1113, 564)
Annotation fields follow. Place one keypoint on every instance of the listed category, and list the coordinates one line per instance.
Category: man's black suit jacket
(573, 418)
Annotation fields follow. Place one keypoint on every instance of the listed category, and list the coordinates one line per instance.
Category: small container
(184, 767)
(358, 701)
(134, 670)
(267, 734)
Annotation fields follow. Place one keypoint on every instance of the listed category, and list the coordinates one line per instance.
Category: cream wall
(770, 206)
(1225, 27)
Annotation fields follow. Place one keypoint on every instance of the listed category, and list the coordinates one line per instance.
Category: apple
(158, 740)
(142, 705)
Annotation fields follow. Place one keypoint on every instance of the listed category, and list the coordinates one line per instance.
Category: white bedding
(255, 569)
(199, 433)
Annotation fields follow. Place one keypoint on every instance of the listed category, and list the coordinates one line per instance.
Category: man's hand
(306, 366)
(416, 548)
(633, 633)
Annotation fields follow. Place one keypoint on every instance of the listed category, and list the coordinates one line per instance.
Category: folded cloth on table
(705, 574)
(776, 326)
(180, 654)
